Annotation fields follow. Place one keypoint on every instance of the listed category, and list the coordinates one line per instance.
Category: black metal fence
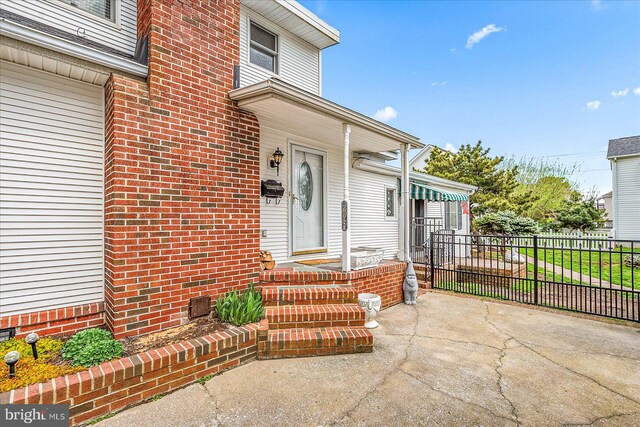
(421, 230)
(594, 276)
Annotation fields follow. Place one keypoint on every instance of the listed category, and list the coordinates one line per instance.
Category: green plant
(47, 347)
(505, 223)
(91, 347)
(240, 309)
(30, 370)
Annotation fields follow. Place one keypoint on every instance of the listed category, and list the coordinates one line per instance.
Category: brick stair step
(308, 295)
(315, 316)
(300, 342)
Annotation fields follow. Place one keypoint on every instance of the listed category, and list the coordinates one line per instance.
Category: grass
(606, 265)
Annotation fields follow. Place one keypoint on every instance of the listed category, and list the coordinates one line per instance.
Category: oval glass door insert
(305, 186)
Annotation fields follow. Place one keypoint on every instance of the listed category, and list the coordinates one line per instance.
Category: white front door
(308, 194)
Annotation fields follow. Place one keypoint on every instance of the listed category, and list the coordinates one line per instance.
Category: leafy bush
(91, 347)
(30, 370)
(240, 309)
(505, 223)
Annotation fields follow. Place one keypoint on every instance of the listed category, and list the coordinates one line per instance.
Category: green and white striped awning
(423, 192)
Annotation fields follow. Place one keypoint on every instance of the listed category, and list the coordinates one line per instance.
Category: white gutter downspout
(405, 223)
(346, 204)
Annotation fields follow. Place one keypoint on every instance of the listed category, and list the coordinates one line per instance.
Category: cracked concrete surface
(446, 361)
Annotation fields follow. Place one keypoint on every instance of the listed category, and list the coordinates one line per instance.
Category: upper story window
(101, 8)
(263, 49)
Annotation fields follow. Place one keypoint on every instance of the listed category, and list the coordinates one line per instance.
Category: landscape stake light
(276, 159)
(11, 359)
(32, 339)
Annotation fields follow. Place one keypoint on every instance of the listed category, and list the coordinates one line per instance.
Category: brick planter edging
(115, 385)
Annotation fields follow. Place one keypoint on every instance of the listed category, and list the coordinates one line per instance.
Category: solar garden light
(32, 339)
(11, 359)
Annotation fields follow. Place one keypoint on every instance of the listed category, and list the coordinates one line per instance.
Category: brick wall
(386, 282)
(182, 171)
(57, 321)
(115, 385)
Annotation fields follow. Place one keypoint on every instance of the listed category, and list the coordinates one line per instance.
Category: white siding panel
(299, 62)
(51, 191)
(628, 198)
(367, 212)
(120, 35)
(369, 225)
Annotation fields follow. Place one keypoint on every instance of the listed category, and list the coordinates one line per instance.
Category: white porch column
(405, 193)
(346, 203)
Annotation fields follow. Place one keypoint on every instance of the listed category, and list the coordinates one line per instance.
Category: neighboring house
(135, 138)
(605, 204)
(624, 155)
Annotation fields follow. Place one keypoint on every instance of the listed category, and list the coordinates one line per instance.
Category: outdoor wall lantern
(276, 159)
(32, 339)
(11, 359)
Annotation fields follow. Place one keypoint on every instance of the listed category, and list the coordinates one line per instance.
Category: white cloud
(597, 5)
(438, 84)
(593, 105)
(636, 91)
(480, 34)
(619, 93)
(386, 114)
(450, 147)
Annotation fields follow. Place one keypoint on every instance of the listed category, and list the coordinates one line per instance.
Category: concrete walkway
(447, 361)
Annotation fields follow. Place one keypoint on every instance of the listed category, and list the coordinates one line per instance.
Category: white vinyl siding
(367, 202)
(51, 191)
(627, 198)
(120, 34)
(298, 61)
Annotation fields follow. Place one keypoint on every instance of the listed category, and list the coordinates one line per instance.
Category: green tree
(505, 223)
(473, 165)
(546, 185)
(578, 213)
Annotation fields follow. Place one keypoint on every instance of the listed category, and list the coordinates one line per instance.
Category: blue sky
(537, 79)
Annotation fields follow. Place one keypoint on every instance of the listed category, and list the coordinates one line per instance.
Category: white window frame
(458, 215)
(276, 58)
(117, 6)
(388, 188)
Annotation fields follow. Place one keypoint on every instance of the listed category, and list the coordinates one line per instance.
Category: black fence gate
(594, 276)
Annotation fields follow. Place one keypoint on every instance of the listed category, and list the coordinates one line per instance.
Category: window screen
(101, 8)
(263, 50)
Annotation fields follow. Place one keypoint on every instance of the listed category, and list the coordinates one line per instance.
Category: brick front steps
(115, 385)
(308, 320)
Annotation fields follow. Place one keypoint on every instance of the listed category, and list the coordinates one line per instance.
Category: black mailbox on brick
(272, 189)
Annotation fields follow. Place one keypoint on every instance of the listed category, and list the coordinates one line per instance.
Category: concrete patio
(449, 360)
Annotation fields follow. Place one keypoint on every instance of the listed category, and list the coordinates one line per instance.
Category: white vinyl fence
(584, 240)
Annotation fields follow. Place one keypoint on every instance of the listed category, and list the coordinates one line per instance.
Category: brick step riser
(276, 303)
(352, 323)
(324, 351)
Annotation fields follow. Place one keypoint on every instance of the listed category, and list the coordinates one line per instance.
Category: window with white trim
(263, 48)
(102, 8)
(390, 202)
(452, 215)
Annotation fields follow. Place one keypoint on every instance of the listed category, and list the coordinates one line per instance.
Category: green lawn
(604, 265)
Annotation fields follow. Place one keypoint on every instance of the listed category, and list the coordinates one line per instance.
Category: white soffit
(297, 19)
(52, 65)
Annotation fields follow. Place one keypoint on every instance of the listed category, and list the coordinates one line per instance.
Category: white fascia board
(273, 88)
(310, 18)
(623, 156)
(39, 38)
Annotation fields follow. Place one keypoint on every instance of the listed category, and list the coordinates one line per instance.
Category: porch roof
(281, 105)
